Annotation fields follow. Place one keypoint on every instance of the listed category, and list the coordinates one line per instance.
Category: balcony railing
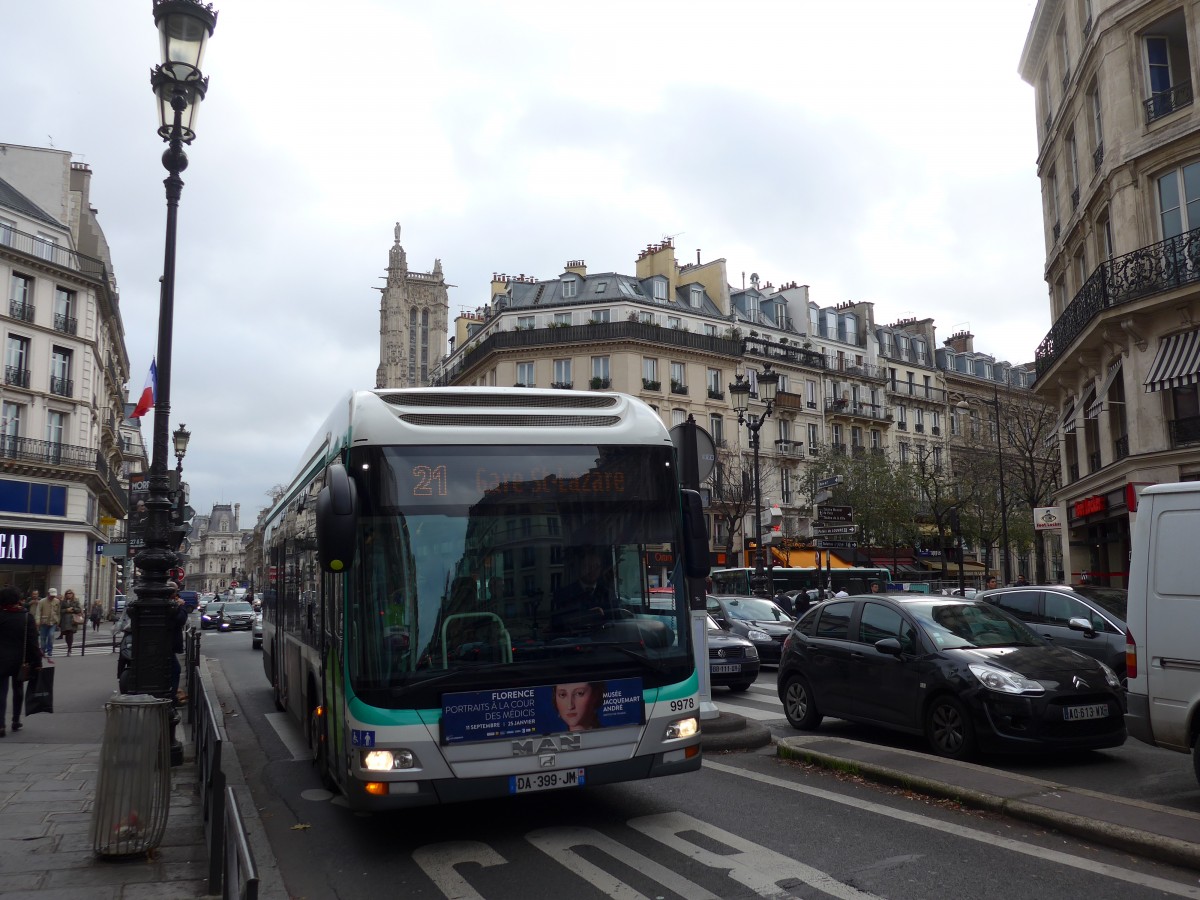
(1094, 464)
(22, 311)
(1075, 199)
(1149, 270)
(791, 353)
(65, 324)
(855, 370)
(19, 448)
(919, 391)
(1163, 103)
(1098, 158)
(16, 376)
(677, 388)
(61, 386)
(1185, 431)
(37, 247)
(562, 385)
(714, 394)
(1121, 447)
(789, 401)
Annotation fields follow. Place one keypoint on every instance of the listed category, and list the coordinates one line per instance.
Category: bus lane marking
(1174, 888)
(758, 868)
(560, 843)
(438, 861)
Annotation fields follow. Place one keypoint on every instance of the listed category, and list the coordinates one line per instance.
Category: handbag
(39, 696)
(77, 619)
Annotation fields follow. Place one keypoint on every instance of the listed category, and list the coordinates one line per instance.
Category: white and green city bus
(423, 610)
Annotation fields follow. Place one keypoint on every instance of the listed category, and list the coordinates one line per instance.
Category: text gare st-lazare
(432, 481)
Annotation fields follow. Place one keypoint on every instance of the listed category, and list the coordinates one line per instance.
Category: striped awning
(1093, 411)
(1177, 362)
(1068, 419)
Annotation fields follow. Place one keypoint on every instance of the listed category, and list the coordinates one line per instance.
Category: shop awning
(806, 558)
(1177, 362)
(1068, 419)
(1093, 411)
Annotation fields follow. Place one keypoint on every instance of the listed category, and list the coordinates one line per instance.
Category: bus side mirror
(337, 520)
(695, 535)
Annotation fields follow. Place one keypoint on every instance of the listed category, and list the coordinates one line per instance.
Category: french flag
(148, 392)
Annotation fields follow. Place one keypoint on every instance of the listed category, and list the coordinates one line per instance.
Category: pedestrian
(1021, 582)
(31, 601)
(991, 583)
(70, 617)
(177, 618)
(46, 615)
(96, 615)
(874, 587)
(18, 648)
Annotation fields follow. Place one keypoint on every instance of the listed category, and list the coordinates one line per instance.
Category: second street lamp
(739, 392)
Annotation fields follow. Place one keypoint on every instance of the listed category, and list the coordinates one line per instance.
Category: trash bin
(133, 790)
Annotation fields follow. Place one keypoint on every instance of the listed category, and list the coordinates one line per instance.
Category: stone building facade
(413, 318)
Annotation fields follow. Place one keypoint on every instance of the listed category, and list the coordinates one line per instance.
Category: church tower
(414, 315)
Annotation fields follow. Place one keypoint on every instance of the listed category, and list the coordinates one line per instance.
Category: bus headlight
(388, 760)
(683, 728)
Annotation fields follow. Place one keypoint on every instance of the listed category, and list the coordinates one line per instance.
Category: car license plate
(732, 667)
(545, 781)
(1092, 711)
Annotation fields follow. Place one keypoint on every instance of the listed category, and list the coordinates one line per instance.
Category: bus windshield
(529, 559)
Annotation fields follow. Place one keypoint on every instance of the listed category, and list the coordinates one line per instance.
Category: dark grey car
(1086, 618)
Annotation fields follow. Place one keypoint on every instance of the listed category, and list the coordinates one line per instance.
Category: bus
(852, 580)
(457, 595)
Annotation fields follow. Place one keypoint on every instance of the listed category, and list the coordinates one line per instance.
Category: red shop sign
(1090, 505)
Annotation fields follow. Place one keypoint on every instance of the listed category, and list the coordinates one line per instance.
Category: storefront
(1098, 537)
(30, 559)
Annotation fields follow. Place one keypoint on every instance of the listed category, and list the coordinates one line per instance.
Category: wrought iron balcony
(65, 324)
(1185, 432)
(28, 450)
(61, 386)
(1098, 158)
(791, 353)
(22, 311)
(677, 388)
(1056, 230)
(1163, 103)
(39, 248)
(16, 376)
(918, 391)
(1154, 269)
(1121, 447)
(1075, 199)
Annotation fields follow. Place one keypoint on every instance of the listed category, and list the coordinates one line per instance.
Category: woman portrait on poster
(578, 704)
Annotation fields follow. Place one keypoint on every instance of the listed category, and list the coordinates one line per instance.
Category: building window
(56, 427)
(937, 457)
(60, 372)
(20, 297)
(562, 318)
(710, 329)
(715, 387)
(649, 370)
(678, 416)
(601, 287)
(716, 427)
(674, 322)
(752, 307)
(1179, 200)
(782, 385)
(64, 311)
(562, 372)
(814, 436)
(902, 414)
(569, 288)
(6, 231)
(785, 431)
(646, 318)
(937, 421)
(903, 452)
(810, 394)
(16, 361)
(525, 377)
(856, 436)
(525, 323)
(660, 289)
(837, 435)
(876, 438)
(10, 427)
(697, 297)
(45, 245)
(785, 487)
(600, 367)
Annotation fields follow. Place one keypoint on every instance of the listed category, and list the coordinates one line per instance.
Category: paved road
(747, 825)
(1133, 770)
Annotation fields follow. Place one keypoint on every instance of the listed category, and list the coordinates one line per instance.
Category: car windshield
(237, 608)
(712, 624)
(751, 609)
(1113, 600)
(953, 625)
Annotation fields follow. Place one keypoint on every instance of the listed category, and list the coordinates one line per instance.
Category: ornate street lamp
(184, 27)
(739, 392)
(994, 403)
(180, 437)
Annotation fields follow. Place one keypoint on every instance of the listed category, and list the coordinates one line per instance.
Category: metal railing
(1185, 431)
(1121, 447)
(1163, 103)
(61, 386)
(1149, 270)
(40, 248)
(22, 311)
(65, 324)
(16, 376)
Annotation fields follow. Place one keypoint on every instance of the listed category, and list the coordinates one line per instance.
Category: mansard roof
(13, 199)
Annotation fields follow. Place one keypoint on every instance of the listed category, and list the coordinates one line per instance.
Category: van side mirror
(337, 520)
(695, 535)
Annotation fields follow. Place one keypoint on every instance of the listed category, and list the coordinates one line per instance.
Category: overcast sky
(877, 150)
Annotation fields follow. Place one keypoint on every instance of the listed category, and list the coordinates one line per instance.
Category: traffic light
(772, 524)
(181, 519)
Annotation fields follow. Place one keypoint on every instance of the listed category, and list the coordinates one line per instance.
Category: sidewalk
(47, 789)
(1146, 829)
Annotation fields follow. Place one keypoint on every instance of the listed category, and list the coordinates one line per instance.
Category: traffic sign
(823, 528)
(835, 513)
(835, 545)
(829, 482)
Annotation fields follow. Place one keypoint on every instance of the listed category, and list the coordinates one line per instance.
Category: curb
(729, 731)
(1155, 846)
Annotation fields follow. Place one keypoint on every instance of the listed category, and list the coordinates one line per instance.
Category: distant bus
(855, 580)
(458, 598)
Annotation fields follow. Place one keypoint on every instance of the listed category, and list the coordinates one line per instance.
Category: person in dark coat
(18, 645)
(585, 602)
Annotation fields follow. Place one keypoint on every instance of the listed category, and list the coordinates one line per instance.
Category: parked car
(256, 633)
(962, 672)
(1086, 618)
(732, 660)
(762, 622)
(236, 614)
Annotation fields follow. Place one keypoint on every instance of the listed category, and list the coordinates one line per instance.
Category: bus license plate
(732, 667)
(1092, 711)
(545, 781)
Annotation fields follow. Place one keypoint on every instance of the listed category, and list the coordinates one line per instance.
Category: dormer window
(569, 287)
(752, 307)
(697, 297)
(660, 290)
(601, 287)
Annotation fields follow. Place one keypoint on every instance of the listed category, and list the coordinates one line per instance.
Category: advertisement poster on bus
(541, 709)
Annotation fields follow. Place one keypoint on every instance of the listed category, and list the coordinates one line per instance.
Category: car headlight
(1006, 682)
(683, 728)
(755, 635)
(751, 652)
(1110, 676)
(387, 760)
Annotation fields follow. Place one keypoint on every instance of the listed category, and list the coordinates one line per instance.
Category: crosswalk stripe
(752, 712)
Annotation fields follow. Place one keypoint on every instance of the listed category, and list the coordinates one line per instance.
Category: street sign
(835, 545)
(822, 529)
(829, 482)
(835, 513)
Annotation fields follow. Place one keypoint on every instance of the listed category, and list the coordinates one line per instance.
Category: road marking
(751, 712)
(1078, 862)
(290, 734)
(438, 861)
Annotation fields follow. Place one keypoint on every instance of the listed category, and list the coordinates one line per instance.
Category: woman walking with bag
(70, 617)
(19, 653)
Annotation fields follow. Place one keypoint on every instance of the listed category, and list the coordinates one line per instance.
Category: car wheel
(741, 686)
(948, 728)
(799, 706)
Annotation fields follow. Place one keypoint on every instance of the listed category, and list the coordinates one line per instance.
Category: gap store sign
(30, 548)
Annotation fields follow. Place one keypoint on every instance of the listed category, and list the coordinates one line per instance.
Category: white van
(1162, 643)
